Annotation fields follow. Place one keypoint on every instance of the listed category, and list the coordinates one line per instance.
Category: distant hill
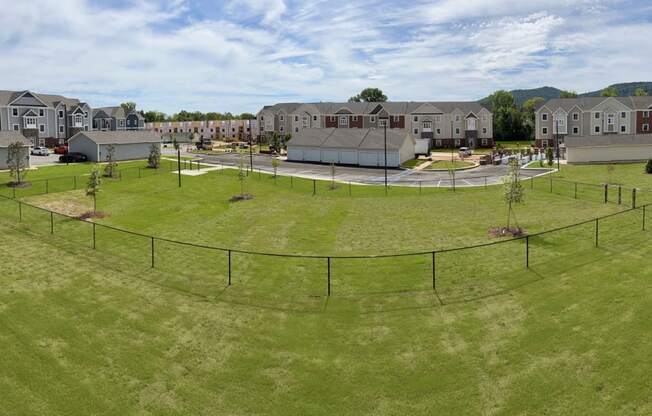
(521, 96)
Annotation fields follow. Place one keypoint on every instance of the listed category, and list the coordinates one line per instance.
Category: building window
(646, 114)
(79, 120)
(427, 124)
(470, 124)
(437, 118)
(646, 127)
(296, 129)
(438, 143)
(416, 131)
(457, 118)
(344, 121)
(16, 127)
(576, 116)
(544, 117)
(382, 122)
(576, 130)
(60, 129)
(623, 115)
(597, 129)
(544, 143)
(14, 111)
(41, 128)
(296, 118)
(596, 115)
(282, 118)
(457, 130)
(86, 128)
(484, 130)
(122, 123)
(60, 113)
(314, 118)
(281, 129)
(438, 131)
(41, 112)
(416, 118)
(484, 142)
(373, 119)
(623, 129)
(29, 122)
(544, 130)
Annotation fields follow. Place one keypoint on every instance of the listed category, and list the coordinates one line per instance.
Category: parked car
(465, 152)
(73, 158)
(40, 151)
(61, 150)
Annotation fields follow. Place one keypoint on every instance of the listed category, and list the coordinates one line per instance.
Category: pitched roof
(334, 138)
(9, 137)
(392, 107)
(587, 103)
(119, 137)
(117, 111)
(52, 100)
(608, 140)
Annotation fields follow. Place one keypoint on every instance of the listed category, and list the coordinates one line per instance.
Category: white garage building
(608, 148)
(128, 145)
(363, 147)
(6, 139)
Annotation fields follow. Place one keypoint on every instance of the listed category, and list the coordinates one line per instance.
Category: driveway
(44, 160)
(480, 176)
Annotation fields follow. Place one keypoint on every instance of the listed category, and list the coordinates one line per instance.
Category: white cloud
(167, 57)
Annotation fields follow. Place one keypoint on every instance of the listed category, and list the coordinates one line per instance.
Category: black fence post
(620, 195)
(139, 174)
(550, 183)
(597, 231)
(152, 252)
(633, 198)
(94, 243)
(314, 187)
(74, 182)
(51, 222)
(328, 264)
(644, 206)
(434, 274)
(47, 186)
(20, 211)
(606, 193)
(291, 181)
(349, 188)
(419, 187)
(527, 251)
(575, 190)
(14, 190)
(532, 183)
(229, 284)
(485, 181)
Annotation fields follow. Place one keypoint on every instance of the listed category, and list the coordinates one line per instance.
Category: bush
(648, 167)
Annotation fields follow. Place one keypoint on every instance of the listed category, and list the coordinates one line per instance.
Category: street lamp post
(251, 154)
(385, 131)
(557, 141)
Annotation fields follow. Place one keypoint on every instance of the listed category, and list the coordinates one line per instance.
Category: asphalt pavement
(479, 176)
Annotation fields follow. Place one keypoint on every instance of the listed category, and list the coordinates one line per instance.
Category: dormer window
(544, 116)
(79, 120)
(29, 122)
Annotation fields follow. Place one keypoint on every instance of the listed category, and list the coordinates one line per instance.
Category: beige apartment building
(228, 130)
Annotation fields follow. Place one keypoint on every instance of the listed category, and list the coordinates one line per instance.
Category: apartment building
(443, 124)
(117, 119)
(228, 130)
(45, 119)
(591, 116)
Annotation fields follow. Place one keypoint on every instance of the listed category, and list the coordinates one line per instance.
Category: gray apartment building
(595, 129)
(117, 119)
(443, 124)
(46, 120)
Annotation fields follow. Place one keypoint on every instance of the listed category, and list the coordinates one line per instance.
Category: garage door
(349, 157)
(295, 153)
(368, 158)
(312, 155)
(329, 156)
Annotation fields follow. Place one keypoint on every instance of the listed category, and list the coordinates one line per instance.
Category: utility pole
(385, 156)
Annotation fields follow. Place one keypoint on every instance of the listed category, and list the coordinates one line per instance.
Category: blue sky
(238, 55)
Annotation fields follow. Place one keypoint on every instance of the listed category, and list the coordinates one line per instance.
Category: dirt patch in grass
(19, 185)
(90, 214)
(507, 232)
(243, 197)
(73, 204)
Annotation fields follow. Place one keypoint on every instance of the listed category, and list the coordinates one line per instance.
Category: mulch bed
(507, 232)
(244, 197)
(90, 214)
(21, 185)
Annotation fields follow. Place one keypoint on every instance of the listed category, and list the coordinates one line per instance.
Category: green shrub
(648, 167)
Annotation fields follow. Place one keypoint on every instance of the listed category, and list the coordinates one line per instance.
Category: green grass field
(100, 332)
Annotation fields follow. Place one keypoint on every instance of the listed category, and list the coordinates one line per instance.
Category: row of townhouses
(211, 129)
(444, 124)
(49, 120)
(560, 118)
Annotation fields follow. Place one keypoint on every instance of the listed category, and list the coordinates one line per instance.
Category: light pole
(452, 143)
(176, 146)
(251, 154)
(385, 130)
(557, 141)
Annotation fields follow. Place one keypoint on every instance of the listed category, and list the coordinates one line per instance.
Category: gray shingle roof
(52, 100)
(9, 137)
(608, 140)
(587, 103)
(334, 138)
(119, 137)
(392, 107)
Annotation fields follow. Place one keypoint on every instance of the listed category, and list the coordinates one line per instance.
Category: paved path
(489, 175)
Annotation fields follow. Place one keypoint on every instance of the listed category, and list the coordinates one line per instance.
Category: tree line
(513, 122)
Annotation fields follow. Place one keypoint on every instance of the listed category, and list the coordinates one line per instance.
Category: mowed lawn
(101, 332)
